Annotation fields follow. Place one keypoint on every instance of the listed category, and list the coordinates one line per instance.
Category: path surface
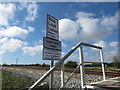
(110, 84)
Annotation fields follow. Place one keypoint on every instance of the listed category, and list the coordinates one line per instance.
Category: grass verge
(10, 81)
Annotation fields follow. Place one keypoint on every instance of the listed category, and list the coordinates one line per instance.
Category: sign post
(51, 76)
(51, 43)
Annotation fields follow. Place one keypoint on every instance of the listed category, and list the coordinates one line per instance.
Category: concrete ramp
(110, 84)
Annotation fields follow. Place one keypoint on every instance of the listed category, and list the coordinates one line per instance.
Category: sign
(52, 44)
(51, 54)
(52, 28)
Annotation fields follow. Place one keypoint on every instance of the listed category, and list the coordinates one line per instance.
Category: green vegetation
(92, 67)
(35, 65)
(71, 64)
(10, 81)
(116, 61)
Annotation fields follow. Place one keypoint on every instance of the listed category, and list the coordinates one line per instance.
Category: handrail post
(62, 75)
(102, 62)
(82, 73)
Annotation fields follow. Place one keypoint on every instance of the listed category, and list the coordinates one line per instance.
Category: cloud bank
(87, 27)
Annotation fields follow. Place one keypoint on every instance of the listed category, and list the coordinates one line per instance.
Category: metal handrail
(70, 76)
(39, 81)
(53, 68)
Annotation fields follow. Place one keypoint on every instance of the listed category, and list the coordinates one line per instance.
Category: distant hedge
(40, 65)
(71, 64)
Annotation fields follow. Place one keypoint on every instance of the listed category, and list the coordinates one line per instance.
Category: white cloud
(2, 40)
(39, 42)
(110, 21)
(90, 55)
(31, 7)
(109, 52)
(86, 27)
(32, 11)
(73, 57)
(31, 29)
(113, 44)
(101, 44)
(33, 50)
(68, 29)
(44, 31)
(83, 15)
(6, 13)
(14, 31)
(64, 45)
(10, 45)
(2, 52)
(63, 54)
(105, 45)
(108, 55)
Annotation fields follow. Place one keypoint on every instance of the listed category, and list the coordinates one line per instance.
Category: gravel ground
(74, 82)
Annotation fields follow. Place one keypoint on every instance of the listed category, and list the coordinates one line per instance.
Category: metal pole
(102, 63)
(16, 61)
(51, 75)
(82, 73)
(62, 75)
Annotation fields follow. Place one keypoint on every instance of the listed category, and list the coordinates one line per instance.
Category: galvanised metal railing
(79, 45)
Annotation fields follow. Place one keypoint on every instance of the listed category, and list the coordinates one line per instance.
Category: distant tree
(71, 64)
(36, 64)
(44, 65)
(116, 61)
(96, 64)
(109, 64)
(4, 64)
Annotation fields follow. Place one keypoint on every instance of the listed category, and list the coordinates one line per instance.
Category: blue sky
(23, 26)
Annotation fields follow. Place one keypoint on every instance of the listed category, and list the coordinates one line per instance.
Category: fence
(81, 65)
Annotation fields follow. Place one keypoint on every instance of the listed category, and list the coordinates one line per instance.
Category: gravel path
(74, 82)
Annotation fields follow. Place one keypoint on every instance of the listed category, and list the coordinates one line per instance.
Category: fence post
(82, 73)
(102, 62)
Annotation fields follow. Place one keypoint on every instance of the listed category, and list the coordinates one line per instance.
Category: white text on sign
(52, 27)
(52, 44)
(50, 54)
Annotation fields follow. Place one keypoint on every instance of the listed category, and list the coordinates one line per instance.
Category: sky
(23, 26)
